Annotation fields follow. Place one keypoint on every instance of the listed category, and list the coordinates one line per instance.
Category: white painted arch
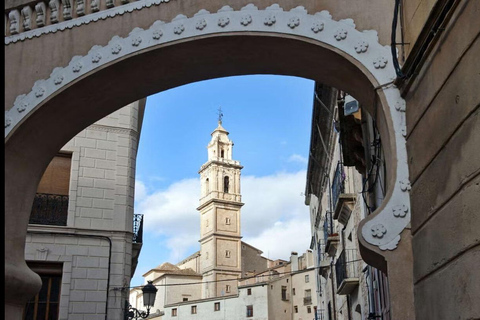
(360, 49)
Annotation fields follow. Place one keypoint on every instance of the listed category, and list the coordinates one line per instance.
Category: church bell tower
(220, 203)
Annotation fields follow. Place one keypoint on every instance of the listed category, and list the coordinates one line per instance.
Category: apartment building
(83, 236)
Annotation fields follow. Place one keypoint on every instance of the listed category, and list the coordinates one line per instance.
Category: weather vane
(220, 115)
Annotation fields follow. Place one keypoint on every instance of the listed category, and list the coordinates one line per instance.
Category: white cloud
(279, 240)
(140, 190)
(274, 209)
(298, 158)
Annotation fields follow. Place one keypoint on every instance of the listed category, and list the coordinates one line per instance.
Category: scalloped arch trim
(383, 228)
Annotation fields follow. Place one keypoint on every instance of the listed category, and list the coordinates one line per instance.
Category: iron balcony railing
(338, 184)
(137, 228)
(328, 225)
(49, 209)
(307, 301)
(319, 315)
(345, 266)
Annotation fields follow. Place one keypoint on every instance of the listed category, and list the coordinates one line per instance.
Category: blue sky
(269, 120)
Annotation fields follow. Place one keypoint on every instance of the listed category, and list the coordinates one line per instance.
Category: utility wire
(240, 279)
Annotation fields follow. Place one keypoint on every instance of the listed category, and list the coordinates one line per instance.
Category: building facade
(83, 237)
(345, 183)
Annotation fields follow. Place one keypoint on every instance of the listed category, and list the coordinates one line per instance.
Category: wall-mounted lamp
(149, 294)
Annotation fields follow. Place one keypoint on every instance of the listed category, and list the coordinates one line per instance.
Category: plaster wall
(443, 109)
(278, 308)
(231, 307)
(301, 285)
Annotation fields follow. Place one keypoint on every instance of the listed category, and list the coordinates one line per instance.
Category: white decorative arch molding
(384, 228)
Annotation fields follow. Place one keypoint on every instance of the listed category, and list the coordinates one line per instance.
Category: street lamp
(149, 293)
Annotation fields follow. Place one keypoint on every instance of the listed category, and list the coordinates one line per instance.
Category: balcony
(331, 238)
(137, 228)
(49, 209)
(307, 301)
(343, 194)
(346, 272)
(137, 240)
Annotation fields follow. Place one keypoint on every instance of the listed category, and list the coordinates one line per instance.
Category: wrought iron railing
(328, 225)
(307, 301)
(138, 228)
(345, 266)
(49, 209)
(338, 184)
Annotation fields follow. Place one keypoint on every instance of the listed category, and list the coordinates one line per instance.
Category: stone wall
(443, 122)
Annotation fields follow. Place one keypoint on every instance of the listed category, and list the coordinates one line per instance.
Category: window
(296, 309)
(309, 309)
(293, 291)
(227, 221)
(249, 291)
(216, 306)
(174, 312)
(227, 288)
(185, 299)
(249, 311)
(194, 309)
(284, 293)
(50, 206)
(225, 184)
(207, 186)
(307, 278)
(228, 253)
(222, 154)
(45, 303)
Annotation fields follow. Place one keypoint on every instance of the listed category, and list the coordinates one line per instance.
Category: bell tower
(220, 203)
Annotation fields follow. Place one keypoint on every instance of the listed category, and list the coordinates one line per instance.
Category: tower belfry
(220, 203)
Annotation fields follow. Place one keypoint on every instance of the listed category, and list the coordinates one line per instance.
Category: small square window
(216, 306)
(185, 299)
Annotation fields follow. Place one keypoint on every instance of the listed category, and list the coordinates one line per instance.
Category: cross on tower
(220, 115)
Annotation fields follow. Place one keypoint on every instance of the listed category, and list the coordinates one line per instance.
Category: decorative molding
(70, 23)
(14, 17)
(41, 10)
(319, 27)
(27, 18)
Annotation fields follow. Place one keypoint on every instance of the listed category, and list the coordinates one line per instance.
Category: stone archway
(189, 49)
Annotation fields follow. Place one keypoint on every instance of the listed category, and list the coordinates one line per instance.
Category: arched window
(222, 154)
(225, 184)
(207, 186)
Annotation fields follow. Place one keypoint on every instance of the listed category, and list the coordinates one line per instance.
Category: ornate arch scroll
(383, 228)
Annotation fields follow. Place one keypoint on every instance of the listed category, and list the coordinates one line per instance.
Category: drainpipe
(86, 236)
(334, 298)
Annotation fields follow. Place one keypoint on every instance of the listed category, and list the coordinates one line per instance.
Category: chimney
(294, 261)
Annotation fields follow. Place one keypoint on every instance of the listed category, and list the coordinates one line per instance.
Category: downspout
(87, 236)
